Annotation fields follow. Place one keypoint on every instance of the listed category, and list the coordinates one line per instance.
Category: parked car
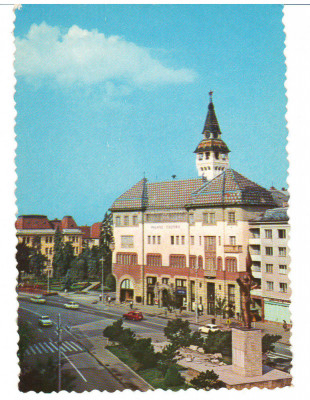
(38, 299)
(133, 315)
(72, 305)
(208, 328)
(45, 320)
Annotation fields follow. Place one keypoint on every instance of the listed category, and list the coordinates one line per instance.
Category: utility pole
(59, 352)
(48, 280)
(102, 280)
(196, 294)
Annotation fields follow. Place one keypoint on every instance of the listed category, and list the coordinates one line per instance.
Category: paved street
(85, 332)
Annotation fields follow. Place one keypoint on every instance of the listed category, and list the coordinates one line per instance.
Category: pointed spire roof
(212, 142)
(211, 124)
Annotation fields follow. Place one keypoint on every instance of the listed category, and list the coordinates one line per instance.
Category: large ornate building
(188, 237)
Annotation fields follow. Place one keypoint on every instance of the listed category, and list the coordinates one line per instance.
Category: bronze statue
(247, 283)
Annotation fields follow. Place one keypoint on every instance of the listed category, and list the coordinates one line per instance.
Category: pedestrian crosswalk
(52, 347)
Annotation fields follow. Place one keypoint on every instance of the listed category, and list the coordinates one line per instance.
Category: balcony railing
(229, 248)
(209, 272)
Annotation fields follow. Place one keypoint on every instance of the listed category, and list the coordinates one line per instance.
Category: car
(45, 320)
(134, 315)
(208, 328)
(72, 305)
(38, 299)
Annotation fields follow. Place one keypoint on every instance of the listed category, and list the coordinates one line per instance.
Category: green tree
(167, 357)
(67, 260)
(105, 242)
(37, 261)
(268, 342)
(207, 380)
(220, 306)
(113, 331)
(143, 351)
(173, 377)
(25, 338)
(23, 259)
(218, 342)
(58, 253)
(110, 282)
(178, 332)
(42, 377)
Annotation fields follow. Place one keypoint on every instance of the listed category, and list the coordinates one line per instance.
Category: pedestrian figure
(228, 322)
(131, 304)
(109, 299)
(199, 309)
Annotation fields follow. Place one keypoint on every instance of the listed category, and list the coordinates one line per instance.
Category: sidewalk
(96, 347)
(266, 327)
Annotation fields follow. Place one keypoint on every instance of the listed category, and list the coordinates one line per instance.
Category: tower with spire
(212, 152)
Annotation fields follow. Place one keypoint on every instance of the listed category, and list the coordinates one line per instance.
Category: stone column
(247, 351)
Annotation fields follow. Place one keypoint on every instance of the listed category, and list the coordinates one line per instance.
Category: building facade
(269, 250)
(187, 238)
(30, 227)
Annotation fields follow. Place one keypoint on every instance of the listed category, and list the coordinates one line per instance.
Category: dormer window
(200, 156)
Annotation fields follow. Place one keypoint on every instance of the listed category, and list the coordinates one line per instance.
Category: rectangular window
(192, 261)
(178, 261)
(269, 251)
(177, 240)
(153, 260)
(180, 282)
(219, 240)
(46, 239)
(158, 239)
(192, 240)
(210, 244)
(126, 241)
(199, 240)
(165, 281)
(118, 221)
(51, 250)
(210, 263)
(269, 286)
(46, 250)
(208, 218)
(269, 268)
(282, 269)
(282, 251)
(172, 239)
(149, 240)
(126, 220)
(256, 266)
(231, 217)
(183, 240)
(191, 218)
(268, 233)
(283, 287)
(135, 220)
(154, 239)
(232, 240)
(281, 233)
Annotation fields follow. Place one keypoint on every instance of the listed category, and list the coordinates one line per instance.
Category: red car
(133, 315)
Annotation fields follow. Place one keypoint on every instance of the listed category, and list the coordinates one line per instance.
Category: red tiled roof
(86, 231)
(229, 187)
(68, 223)
(33, 222)
(95, 230)
(56, 223)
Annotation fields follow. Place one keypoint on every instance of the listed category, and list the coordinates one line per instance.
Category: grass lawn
(151, 375)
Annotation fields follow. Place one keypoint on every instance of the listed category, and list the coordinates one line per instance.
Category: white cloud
(79, 56)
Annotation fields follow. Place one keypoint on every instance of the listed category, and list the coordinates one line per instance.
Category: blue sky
(107, 93)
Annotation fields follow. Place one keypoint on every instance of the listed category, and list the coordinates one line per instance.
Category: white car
(38, 299)
(45, 321)
(72, 305)
(208, 328)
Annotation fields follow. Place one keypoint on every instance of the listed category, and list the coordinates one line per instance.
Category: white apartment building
(270, 254)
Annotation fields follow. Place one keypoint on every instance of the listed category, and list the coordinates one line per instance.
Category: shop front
(126, 291)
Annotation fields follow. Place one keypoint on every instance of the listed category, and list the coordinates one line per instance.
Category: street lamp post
(59, 352)
(102, 280)
(196, 294)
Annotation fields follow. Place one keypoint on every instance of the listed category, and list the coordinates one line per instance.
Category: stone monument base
(247, 352)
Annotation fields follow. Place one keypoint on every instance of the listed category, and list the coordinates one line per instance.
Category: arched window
(200, 262)
(126, 284)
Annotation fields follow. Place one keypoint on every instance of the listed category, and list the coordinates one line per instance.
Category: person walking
(228, 322)
(131, 304)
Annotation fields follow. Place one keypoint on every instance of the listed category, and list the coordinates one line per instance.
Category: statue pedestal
(247, 352)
